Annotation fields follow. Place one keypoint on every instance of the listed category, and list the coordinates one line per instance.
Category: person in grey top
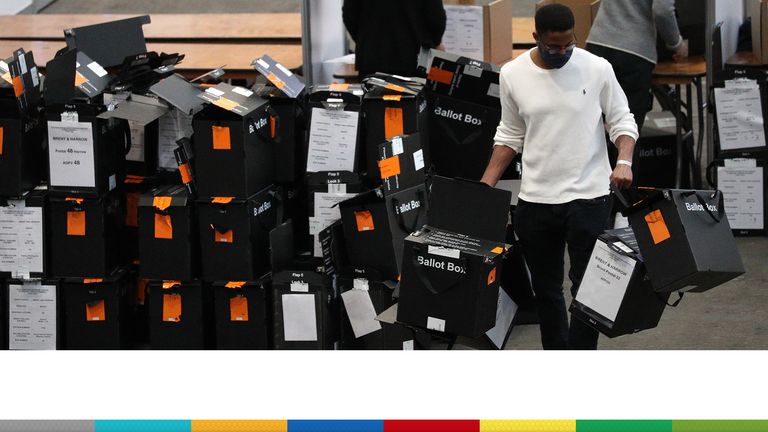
(624, 33)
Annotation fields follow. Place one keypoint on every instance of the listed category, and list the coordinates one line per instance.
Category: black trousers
(544, 231)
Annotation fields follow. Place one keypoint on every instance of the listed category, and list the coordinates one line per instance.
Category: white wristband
(624, 162)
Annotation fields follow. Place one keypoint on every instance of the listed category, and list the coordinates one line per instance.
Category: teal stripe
(720, 426)
(143, 426)
(623, 426)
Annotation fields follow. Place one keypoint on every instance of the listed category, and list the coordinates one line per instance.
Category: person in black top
(390, 33)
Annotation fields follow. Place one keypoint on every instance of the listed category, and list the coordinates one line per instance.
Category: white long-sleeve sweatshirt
(555, 118)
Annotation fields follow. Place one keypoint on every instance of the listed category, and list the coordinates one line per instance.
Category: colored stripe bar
(46, 426)
(719, 425)
(143, 426)
(335, 426)
(527, 425)
(624, 426)
(239, 425)
(431, 426)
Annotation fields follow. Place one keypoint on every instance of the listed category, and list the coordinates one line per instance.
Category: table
(687, 73)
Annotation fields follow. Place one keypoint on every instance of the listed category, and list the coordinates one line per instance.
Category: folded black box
(464, 78)
(233, 143)
(615, 295)
(110, 42)
(180, 315)
(32, 312)
(86, 153)
(241, 315)
(168, 247)
(95, 312)
(22, 159)
(289, 126)
(133, 188)
(335, 129)
(374, 222)
(324, 191)
(402, 163)
(305, 309)
(234, 235)
(685, 239)
(24, 236)
(85, 235)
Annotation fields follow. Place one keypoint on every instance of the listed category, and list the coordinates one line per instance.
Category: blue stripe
(335, 426)
(143, 426)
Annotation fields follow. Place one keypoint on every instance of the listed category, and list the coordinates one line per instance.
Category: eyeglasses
(555, 49)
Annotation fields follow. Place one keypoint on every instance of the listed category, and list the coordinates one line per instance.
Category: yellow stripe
(527, 425)
(239, 425)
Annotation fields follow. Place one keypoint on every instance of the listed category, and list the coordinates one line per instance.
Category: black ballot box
(463, 78)
(241, 315)
(334, 128)
(96, 312)
(86, 154)
(401, 163)
(615, 295)
(324, 190)
(22, 156)
(375, 222)
(685, 238)
(85, 235)
(32, 314)
(233, 143)
(288, 124)
(24, 236)
(133, 188)
(180, 315)
(234, 235)
(168, 232)
(305, 311)
(655, 162)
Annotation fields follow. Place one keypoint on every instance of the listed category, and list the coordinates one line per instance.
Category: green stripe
(623, 426)
(720, 426)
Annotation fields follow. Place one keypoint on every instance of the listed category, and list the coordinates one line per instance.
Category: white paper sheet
(361, 313)
(32, 316)
(740, 116)
(605, 281)
(464, 31)
(326, 213)
(505, 314)
(332, 140)
(70, 150)
(173, 126)
(21, 239)
(136, 154)
(743, 192)
(299, 318)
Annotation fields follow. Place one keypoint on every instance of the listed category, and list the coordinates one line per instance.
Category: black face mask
(555, 61)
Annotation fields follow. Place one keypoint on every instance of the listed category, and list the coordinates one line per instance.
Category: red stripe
(431, 425)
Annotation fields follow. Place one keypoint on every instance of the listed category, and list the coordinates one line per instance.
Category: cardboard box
(305, 309)
(24, 236)
(757, 12)
(168, 235)
(180, 315)
(96, 312)
(335, 128)
(241, 317)
(233, 143)
(584, 13)
(615, 296)
(745, 194)
(480, 29)
(85, 235)
(234, 235)
(32, 314)
(685, 239)
(403, 162)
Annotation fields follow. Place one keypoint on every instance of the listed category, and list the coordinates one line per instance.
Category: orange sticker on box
(364, 220)
(227, 104)
(92, 281)
(440, 75)
(134, 179)
(1, 140)
(272, 126)
(75, 223)
(389, 167)
(395, 98)
(221, 138)
(132, 209)
(80, 79)
(170, 284)
(395, 87)
(393, 122)
(18, 86)
(276, 81)
(238, 308)
(338, 87)
(163, 227)
(94, 311)
(162, 202)
(657, 226)
(492, 276)
(222, 200)
(225, 237)
(497, 250)
(141, 291)
(235, 284)
(77, 200)
(172, 307)
(186, 175)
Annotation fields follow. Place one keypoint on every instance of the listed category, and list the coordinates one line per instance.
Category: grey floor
(732, 316)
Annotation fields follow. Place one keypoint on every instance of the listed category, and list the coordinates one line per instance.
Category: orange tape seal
(94, 311)
(221, 139)
(172, 307)
(657, 226)
(364, 221)
(389, 167)
(393, 122)
(440, 75)
(238, 308)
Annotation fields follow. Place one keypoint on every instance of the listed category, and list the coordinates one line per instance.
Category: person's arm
(350, 13)
(666, 24)
(621, 126)
(434, 14)
(509, 138)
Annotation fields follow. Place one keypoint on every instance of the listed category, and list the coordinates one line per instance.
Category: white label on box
(740, 163)
(70, 151)
(173, 126)
(35, 77)
(397, 146)
(436, 324)
(418, 160)
(214, 91)
(623, 247)
(740, 116)
(605, 281)
(361, 313)
(332, 140)
(337, 188)
(360, 284)
(408, 345)
(464, 33)
(21, 240)
(136, 154)
(443, 251)
(69, 117)
(97, 69)
(112, 182)
(242, 91)
(23, 64)
(743, 196)
(299, 287)
(32, 316)
(493, 90)
(299, 318)
(283, 69)
(263, 64)
(326, 213)
(506, 309)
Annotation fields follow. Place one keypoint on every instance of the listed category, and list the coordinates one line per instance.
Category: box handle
(401, 219)
(720, 204)
(421, 274)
